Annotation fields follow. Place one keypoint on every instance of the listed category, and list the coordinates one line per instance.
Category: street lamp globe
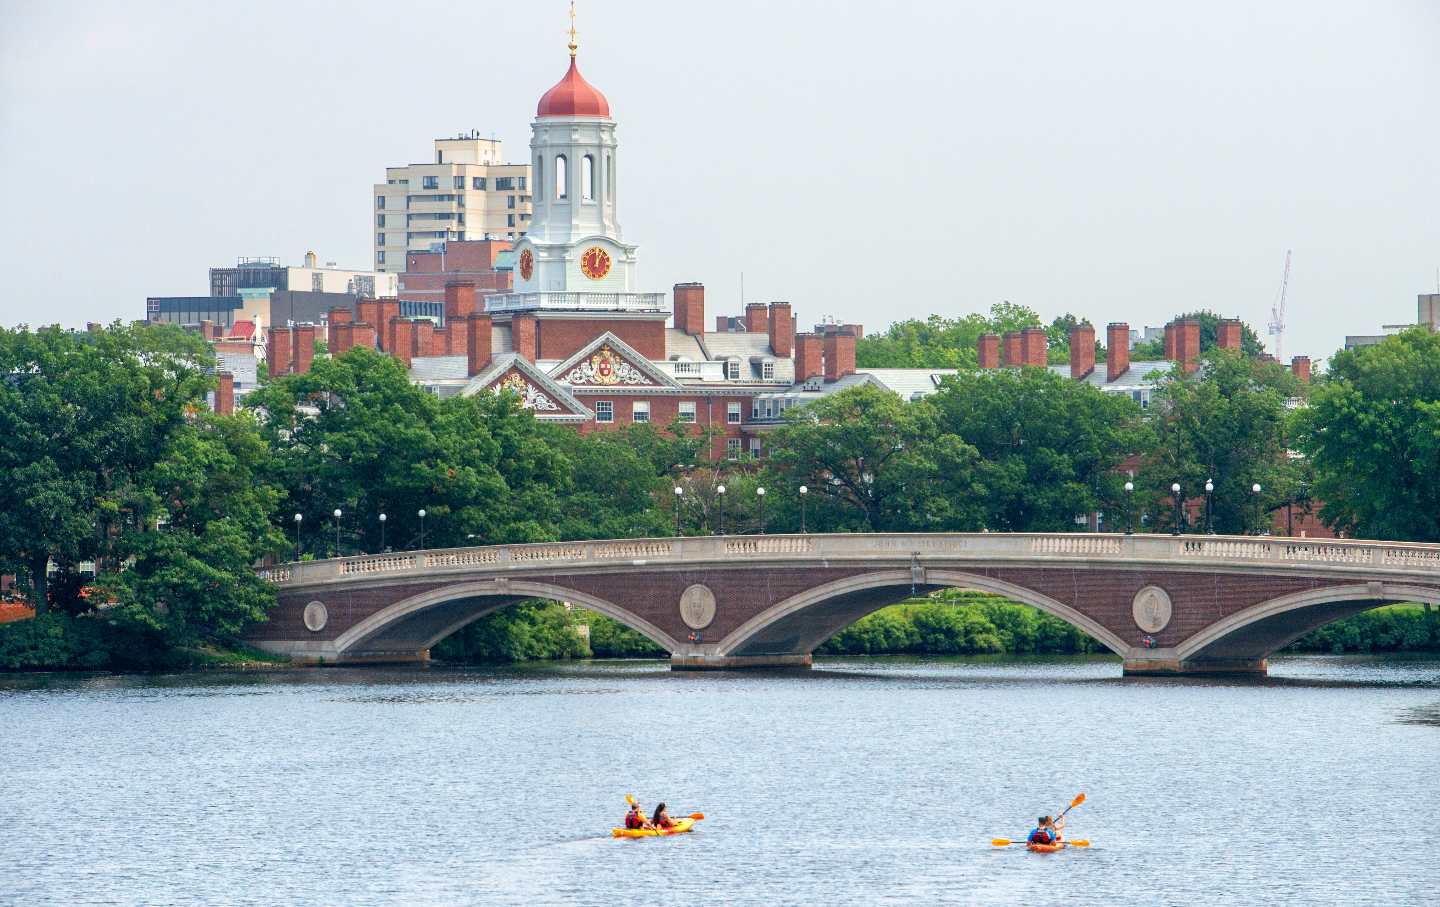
(337, 513)
(1209, 486)
(760, 491)
(1175, 487)
(297, 518)
(1255, 488)
(421, 514)
(719, 489)
(804, 490)
(679, 491)
(382, 517)
(1129, 486)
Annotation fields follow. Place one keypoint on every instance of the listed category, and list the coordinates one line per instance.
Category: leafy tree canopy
(1250, 343)
(940, 342)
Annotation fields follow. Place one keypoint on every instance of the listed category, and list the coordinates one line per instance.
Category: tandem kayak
(1045, 848)
(679, 828)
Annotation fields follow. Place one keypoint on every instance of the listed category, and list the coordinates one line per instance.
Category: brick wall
(561, 338)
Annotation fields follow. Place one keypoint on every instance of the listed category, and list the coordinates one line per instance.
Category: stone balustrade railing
(1240, 552)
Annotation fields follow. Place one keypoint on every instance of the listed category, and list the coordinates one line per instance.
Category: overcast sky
(867, 161)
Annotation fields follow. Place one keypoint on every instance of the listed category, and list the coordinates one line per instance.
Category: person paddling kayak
(1046, 831)
(661, 819)
(635, 819)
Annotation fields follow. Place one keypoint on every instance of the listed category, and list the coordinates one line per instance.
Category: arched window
(587, 178)
(609, 178)
(560, 174)
(540, 175)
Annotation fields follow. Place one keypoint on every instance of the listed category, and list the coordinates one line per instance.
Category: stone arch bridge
(1165, 604)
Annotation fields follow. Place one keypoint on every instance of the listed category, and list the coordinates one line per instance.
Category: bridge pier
(707, 661)
(1161, 665)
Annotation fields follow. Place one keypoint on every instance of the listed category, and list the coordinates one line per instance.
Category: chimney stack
(362, 334)
(756, 318)
(1082, 351)
(368, 311)
(524, 335)
(422, 337)
(225, 395)
(987, 350)
(339, 315)
(1013, 353)
(1300, 368)
(342, 337)
(1170, 352)
(280, 351)
(808, 357)
(1227, 334)
(1187, 343)
(389, 311)
(478, 342)
(1117, 350)
(304, 348)
(459, 300)
(402, 332)
(839, 348)
(1034, 343)
(690, 308)
(782, 329)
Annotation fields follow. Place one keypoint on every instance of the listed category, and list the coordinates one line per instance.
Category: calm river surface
(869, 781)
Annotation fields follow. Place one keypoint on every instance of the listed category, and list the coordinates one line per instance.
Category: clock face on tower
(595, 263)
(527, 264)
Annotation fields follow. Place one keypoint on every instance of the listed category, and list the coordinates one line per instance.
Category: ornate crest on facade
(605, 368)
(530, 396)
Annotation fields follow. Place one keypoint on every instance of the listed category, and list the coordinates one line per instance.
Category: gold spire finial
(573, 45)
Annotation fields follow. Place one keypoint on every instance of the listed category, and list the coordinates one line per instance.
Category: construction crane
(1277, 311)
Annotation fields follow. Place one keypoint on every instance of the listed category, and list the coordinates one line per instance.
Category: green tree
(1250, 344)
(1225, 422)
(1048, 448)
(81, 414)
(872, 461)
(1372, 433)
(940, 342)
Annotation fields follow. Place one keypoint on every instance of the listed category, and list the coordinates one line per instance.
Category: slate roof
(748, 346)
(1144, 373)
(243, 366)
(439, 368)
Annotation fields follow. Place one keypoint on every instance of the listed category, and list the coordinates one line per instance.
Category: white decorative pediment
(607, 361)
(531, 397)
(537, 391)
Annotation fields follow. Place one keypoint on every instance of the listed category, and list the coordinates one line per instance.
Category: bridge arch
(416, 623)
(800, 623)
(1261, 630)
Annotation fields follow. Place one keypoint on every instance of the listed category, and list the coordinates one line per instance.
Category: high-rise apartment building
(467, 193)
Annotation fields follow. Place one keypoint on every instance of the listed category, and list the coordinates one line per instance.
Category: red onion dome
(572, 96)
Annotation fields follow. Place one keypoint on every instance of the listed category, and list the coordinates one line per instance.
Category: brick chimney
(1013, 351)
(363, 334)
(225, 394)
(280, 351)
(756, 318)
(690, 308)
(524, 333)
(304, 348)
(1227, 334)
(422, 335)
(1300, 368)
(1170, 353)
(1117, 350)
(440, 341)
(1187, 343)
(402, 335)
(459, 300)
(367, 310)
(987, 350)
(782, 329)
(478, 343)
(1082, 351)
(839, 355)
(207, 329)
(389, 311)
(722, 324)
(1033, 344)
(340, 315)
(808, 357)
(342, 336)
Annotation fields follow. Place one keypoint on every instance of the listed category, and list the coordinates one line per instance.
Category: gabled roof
(537, 390)
(626, 367)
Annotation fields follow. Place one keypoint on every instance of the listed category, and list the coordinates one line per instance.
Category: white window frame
(767, 370)
(605, 411)
(640, 411)
(732, 370)
(755, 448)
(732, 414)
(687, 408)
(732, 448)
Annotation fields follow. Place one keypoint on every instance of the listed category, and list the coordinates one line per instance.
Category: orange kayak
(1045, 848)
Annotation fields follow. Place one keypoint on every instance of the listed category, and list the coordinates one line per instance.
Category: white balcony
(576, 302)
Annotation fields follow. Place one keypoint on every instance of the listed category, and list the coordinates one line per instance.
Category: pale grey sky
(870, 161)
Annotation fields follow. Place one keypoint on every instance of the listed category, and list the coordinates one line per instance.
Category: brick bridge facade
(1165, 604)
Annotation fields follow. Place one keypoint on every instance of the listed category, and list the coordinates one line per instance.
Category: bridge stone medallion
(1152, 609)
(316, 617)
(697, 606)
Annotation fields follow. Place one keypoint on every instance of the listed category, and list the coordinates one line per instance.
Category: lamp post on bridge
(1255, 491)
(1129, 508)
(1209, 503)
(720, 491)
(760, 494)
(337, 514)
(679, 493)
(421, 514)
(382, 533)
(1175, 496)
(803, 492)
(298, 518)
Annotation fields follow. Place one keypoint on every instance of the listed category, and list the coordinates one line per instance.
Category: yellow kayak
(680, 827)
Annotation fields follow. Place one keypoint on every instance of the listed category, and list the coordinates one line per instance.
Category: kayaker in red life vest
(633, 819)
(1047, 831)
(661, 818)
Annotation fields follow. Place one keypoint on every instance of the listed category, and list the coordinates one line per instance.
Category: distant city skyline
(1118, 161)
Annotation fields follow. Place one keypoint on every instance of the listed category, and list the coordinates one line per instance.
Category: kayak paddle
(1005, 842)
(697, 816)
(1076, 802)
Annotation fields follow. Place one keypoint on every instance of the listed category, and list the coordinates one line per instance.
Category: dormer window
(767, 370)
(732, 369)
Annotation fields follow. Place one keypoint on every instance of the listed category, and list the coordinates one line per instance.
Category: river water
(865, 781)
